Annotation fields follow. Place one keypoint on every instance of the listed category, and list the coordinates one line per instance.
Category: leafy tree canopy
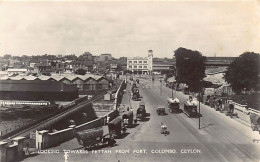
(190, 68)
(80, 72)
(242, 72)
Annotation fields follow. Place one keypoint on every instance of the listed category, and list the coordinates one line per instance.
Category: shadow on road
(79, 148)
(123, 135)
(177, 111)
(100, 147)
(134, 125)
(207, 125)
(196, 116)
(144, 120)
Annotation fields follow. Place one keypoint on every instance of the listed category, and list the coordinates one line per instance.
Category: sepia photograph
(130, 81)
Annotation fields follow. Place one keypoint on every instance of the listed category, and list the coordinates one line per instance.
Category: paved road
(219, 139)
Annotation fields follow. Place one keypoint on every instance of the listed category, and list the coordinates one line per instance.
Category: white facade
(141, 65)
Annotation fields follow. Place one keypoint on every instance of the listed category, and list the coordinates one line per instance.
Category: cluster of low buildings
(55, 88)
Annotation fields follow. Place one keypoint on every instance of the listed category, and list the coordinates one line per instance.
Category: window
(135, 62)
(140, 67)
(145, 66)
(130, 62)
(145, 62)
(135, 66)
(130, 66)
(140, 62)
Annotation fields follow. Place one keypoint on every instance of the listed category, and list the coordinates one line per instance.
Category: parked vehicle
(134, 84)
(128, 118)
(190, 108)
(255, 121)
(161, 110)
(94, 137)
(173, 105)
(141, 112)
(135, 94)
(115, 127)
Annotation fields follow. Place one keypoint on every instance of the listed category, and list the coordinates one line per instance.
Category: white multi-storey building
(141, 65)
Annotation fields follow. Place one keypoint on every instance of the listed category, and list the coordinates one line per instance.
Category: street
(219, 139)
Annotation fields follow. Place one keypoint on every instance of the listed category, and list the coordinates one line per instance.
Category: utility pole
(172, 89)
(161, 85)
(199, 109)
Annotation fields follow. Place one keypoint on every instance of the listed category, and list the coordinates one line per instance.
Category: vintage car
(115, 127)
(128, 118)
(161, 110)
(135, 94)
(141, 112)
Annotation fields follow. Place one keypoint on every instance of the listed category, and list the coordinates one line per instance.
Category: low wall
(45, 140)
(119, 94)
(14, 150)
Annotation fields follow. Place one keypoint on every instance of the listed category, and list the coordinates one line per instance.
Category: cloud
(129, 28)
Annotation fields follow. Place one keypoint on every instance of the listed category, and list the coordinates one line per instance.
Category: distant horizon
(225, 28)
(99, 55)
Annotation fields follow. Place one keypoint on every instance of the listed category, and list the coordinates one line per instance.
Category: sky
(221, 28)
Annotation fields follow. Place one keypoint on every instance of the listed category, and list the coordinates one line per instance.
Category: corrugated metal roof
(56, 77)
(30, 77)
(35, 85)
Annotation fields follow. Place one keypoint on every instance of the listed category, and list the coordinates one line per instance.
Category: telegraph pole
(161, 85)
(199, 109)
(172, 89)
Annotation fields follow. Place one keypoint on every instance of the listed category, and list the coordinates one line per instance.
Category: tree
(242, 72)
(80, 72)
(190, 68)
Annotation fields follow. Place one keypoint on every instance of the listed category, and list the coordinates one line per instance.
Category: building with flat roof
(163, 67)
(141, 65)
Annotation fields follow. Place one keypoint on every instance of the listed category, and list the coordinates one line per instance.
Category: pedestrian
(123, 107)
(127, 108)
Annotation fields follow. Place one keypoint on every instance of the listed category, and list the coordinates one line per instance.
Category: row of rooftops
(55, 77)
